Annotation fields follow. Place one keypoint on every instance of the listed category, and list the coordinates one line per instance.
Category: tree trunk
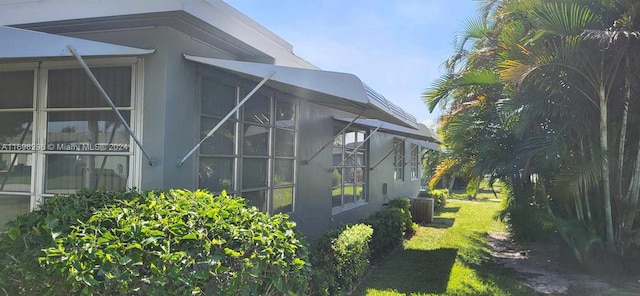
(623, 130)
(606, 183)
(453, 181)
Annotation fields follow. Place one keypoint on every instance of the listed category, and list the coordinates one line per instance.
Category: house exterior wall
(170, 112)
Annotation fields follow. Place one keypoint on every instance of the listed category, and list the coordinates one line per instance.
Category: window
(398, 160)
(87, 146)
(264, 156)
(64, 137)
(218, 153)
(17, 109)
(349, 168)
(415, 161)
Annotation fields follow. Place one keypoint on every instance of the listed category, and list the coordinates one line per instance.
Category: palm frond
(565, 19)
(440, 89)
(444, 168)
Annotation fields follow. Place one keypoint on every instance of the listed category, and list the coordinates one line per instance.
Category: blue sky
(395, 46)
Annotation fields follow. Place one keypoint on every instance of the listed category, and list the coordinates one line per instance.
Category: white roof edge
(343, 91)
(241, 66)
(423, 133)
(214, 12)
(425, 144)
(26, 44)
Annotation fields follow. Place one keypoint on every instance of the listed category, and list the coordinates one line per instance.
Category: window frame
(415, 161)
(398, 160)
(40, 113)
(201, 76)
(240, 156)
(341, 167)
(32, 193)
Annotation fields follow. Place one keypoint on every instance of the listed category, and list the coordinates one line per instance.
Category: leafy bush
(439, 196)
(404, 204)
(400, 203)
(339, 259)
(388, 229)
(155, 243)
(21, 245)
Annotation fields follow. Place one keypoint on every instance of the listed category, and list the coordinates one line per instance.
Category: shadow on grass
(440, 223)
(448, 210)
(416, 271)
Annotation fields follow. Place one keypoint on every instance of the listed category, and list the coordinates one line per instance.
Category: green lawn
(448, 257)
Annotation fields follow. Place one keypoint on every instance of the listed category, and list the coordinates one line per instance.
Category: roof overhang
(340, 91)
(23, 44)
(423, 136)
(425, 144)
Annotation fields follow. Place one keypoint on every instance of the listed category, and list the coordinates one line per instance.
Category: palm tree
(564, 48)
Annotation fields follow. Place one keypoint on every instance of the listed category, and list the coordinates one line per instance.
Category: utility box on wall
(422, 209)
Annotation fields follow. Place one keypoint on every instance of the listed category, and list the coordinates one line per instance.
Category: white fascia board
(342, 85)
(228, 19)
(423, 133)
(214, 12)
(30, 11)
(341, 91)
(425, 144)
(27, 44)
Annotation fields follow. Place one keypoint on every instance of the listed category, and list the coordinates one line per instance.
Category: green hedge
(388, 230)
(439, 196)
(156, 243)
(342, 255)
(339, 259)
(21, 245)
(404, 204)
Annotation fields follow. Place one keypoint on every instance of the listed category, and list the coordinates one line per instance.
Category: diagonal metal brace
(106, 97)
(360, 145)
(306, 162)
(226, 117)
(395, 145)
(417, 150)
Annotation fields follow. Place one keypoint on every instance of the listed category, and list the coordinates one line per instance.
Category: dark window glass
(87, 128)
(217, 98)
(285, 143)
(216, 174)
(72, 88)
(65, 173)
(256, 140)
(15, 172)
(16, 127)
(257, 199)
(283, 200)
(222, 141)
(257, 109)
(254, 172)
(16, 89)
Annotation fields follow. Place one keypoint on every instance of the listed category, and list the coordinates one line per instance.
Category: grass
(448, 257)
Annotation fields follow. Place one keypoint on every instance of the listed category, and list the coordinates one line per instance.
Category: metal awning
(422, 134)
(340, 91)
(425, 144)
(26, 44)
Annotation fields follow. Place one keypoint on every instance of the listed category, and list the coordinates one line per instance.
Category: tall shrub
(388, 230)
(339, 259)
(156, 243)
(21, 245)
